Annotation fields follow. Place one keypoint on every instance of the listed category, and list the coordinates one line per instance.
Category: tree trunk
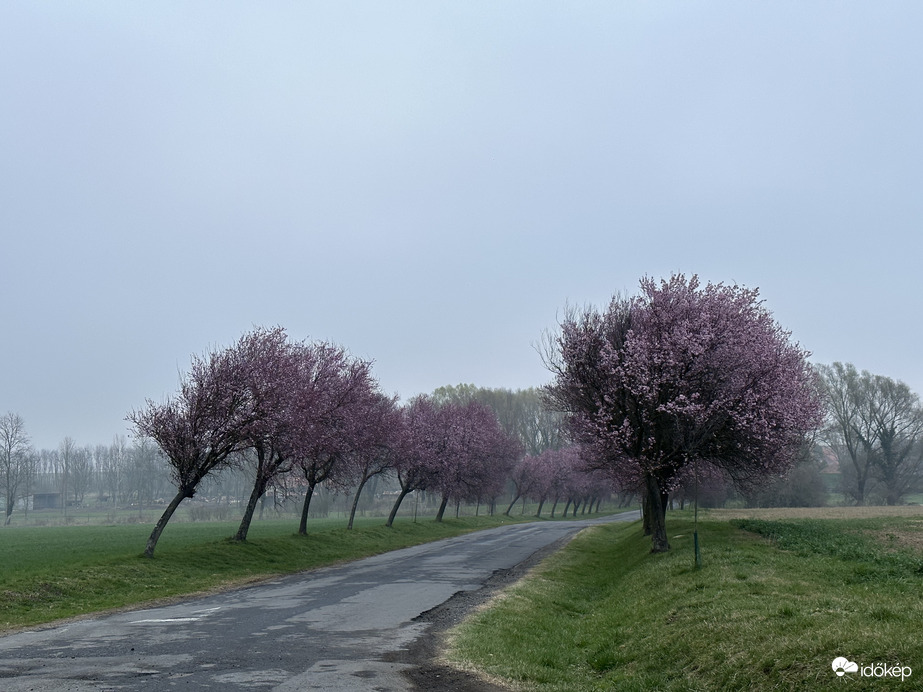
(541, 502)
(657, 513)
(510, 508)
(259, 487)
(445, 501)
(554, 506)
(162, 522)
(352, 511)
(303, 526)
(397, 503)
(567, 507)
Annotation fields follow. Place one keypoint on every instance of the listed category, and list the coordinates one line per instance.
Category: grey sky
(429, 183)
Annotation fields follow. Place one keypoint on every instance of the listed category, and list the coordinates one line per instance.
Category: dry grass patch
(906, 536)
(816, 512)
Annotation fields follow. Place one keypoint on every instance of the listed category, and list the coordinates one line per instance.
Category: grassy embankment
(773, 604)
(49, 573)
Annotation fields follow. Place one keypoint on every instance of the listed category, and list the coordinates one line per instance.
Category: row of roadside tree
(310, 411)
(679, 385)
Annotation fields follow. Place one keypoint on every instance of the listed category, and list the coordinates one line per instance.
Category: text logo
(841, 666)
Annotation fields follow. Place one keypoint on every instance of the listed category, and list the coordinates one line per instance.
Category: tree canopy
(678, 375)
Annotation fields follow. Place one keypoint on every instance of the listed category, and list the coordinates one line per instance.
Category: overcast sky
(429, 184)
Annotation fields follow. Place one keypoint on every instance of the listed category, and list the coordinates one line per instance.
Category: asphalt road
(338, 628)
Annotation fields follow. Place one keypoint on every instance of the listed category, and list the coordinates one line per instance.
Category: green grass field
(49, 573)
(773, 605)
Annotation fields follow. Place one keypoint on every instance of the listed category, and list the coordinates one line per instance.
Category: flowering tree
(479, 454)
(678, 375)
(373, 445)
(271, 381)
(527, 476)
(333, 395)
(421, 442)
(203, 425)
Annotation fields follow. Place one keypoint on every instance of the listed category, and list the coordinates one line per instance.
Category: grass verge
(774, 603)
(51, 573)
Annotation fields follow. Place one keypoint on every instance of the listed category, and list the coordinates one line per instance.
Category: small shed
(46, 501)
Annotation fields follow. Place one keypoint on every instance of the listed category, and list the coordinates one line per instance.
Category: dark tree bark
(657, 513)
(512, 504)
(352, 510)
(445, 502)
(164, 518)
(397, 503)
(259, 487)
(306, 505)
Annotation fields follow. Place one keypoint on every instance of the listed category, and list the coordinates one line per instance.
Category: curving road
(337, 628)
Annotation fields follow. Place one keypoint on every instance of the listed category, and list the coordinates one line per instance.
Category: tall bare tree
(67, 453)
(875, 425)
(17, 460)
(846, 398)
(897, 429)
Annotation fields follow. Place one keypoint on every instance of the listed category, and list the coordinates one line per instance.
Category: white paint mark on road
(195, 618)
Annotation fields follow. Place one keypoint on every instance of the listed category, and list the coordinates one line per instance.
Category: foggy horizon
(430, 185)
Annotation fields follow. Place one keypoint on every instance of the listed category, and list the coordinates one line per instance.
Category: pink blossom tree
(203, 425)
(422, 441)
(678, 375)
(527, 477)
(272, 382)
(479, 454)
(334, 390)
(374, 441)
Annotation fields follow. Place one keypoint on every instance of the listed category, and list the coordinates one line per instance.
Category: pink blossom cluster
(684, 373)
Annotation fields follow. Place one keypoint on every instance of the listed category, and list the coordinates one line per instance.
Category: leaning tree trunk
(259, 487)
(303, 526)
(162, 522)
(510, 508)
(397, 504)
(541, 502)
(657, 515)
(352, 511)
(445, 502)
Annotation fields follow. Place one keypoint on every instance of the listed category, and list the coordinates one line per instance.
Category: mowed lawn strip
(49, 573)
(770, 608)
